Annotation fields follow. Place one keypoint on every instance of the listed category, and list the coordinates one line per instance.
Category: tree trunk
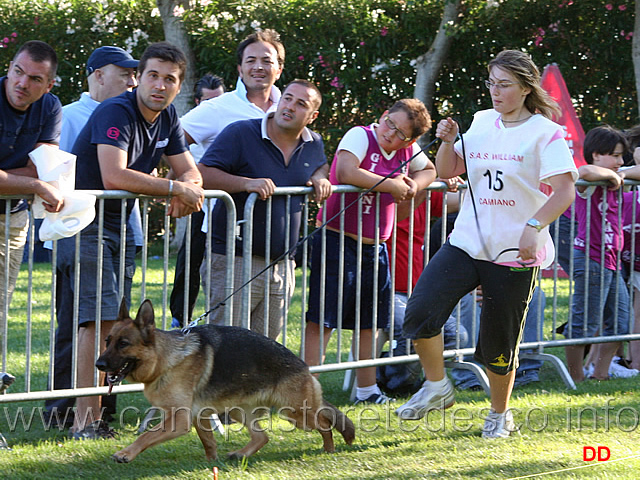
(635, 52)
(428, 65)
(175, 33)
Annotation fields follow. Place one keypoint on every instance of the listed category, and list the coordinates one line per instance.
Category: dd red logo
(601, 454)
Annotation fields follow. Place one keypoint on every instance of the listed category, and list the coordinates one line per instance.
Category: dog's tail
(340, 422)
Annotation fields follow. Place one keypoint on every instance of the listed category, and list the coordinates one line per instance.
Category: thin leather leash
(195, 322)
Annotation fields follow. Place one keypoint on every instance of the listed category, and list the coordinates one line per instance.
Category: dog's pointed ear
(145, 316)
(124, 311)
(145, 321)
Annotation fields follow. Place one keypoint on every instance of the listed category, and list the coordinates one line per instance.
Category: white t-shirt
(505, 167)
(355, 141)
(204, 122)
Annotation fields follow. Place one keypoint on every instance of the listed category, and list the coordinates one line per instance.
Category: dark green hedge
(360, 52)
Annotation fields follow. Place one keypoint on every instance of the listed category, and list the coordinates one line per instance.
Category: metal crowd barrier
(33, 382)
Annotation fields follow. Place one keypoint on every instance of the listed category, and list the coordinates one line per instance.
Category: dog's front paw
(211, 456)
(121, 457)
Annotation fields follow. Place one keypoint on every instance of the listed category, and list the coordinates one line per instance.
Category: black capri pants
(506, 291)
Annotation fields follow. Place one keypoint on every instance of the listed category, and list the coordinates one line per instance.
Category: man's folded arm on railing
(25, 180)
(187, 192)
(217, 179)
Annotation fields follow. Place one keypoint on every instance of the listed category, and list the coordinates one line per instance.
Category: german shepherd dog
(211, 369)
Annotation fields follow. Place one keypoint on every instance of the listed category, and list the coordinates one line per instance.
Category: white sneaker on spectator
(588, 370)
(425, 399)
(498, 425)
(618, 371)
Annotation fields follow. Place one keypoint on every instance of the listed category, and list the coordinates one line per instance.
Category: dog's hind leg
(310, 411)
(258, 438)
(203, 426)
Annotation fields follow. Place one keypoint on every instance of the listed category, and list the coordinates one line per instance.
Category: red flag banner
(555, 86)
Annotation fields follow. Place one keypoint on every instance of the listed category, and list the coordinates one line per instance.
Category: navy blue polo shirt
(241, 149)
(119, 122)
(21, 131)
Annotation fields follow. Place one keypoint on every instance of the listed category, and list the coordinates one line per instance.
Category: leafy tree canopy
(361, 53)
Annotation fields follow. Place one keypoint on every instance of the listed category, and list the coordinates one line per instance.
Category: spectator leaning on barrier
(120, 145)
(110, 72)
(632, 155)
(208, 87)
(255, 156)
(364, 157)
(30, 116)
(633, 158)
(632, 238)
(604, 147)
(632, 231)
(260, 61)
(406, 378)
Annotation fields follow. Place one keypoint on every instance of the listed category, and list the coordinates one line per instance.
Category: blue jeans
(565, 241)
(349, 284)
(88, 263)
(586, 323)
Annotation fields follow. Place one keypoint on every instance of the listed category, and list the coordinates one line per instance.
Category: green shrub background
(361, 53)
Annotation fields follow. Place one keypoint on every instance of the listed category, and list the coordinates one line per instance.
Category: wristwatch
(535, 224)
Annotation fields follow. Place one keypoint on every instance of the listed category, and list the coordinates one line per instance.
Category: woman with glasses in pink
(500, 238)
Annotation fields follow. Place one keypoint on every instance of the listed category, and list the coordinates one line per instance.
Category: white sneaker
(498, 425)
(618, 371)
(424, 400)
(588, 370)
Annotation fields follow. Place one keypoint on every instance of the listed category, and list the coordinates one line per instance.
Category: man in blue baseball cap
(110, 56)
(110, 72)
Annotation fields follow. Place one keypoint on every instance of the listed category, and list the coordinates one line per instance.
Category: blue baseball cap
(110, 55)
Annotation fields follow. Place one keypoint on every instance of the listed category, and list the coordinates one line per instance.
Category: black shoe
(623, 362)
(97, 430)
(376, 398)
(5, 381)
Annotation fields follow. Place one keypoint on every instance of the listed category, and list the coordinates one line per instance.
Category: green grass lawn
(556, 425)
